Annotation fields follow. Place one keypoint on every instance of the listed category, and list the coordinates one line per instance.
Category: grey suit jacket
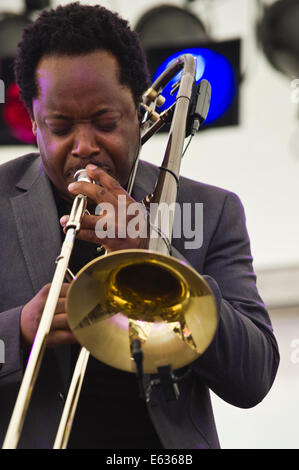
(239, 365)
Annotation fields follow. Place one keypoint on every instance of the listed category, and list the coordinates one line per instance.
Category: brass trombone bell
(145, 295)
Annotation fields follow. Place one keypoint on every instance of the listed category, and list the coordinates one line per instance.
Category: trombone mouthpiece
(81, 175)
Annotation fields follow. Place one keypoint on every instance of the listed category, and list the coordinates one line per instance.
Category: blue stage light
(215, 68)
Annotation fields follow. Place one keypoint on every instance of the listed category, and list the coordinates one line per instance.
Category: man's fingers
(60, 332)
(64, 288)
(60, 307)
(60, 322)
(100, 192)
(58, 337)
(101, 176)
(44, 292)
(87, 230)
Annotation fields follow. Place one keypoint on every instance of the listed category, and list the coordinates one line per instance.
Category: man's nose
(85, 144)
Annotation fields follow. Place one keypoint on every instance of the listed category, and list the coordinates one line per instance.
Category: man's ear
(141, 113)
(34, 127)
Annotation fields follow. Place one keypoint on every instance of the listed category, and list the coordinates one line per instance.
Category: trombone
(172, 316)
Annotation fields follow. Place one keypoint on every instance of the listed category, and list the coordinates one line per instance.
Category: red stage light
(16, 116)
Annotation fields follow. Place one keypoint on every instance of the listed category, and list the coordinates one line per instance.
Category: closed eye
(103, 122)
(60, 132)
(106, 125)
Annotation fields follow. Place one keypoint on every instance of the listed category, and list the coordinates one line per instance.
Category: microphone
(200, 105)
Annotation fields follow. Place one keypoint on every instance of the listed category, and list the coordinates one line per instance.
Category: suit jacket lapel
(145, 181)
(39, 234)
(37, 225)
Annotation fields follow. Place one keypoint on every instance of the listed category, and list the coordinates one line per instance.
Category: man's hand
(108, 192)
(60, 332)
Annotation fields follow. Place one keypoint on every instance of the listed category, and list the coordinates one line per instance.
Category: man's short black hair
(80, 29)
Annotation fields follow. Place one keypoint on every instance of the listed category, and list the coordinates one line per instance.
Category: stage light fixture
(167, 32)
(168, 25)
(215, 68)
(278, 34)
(15, 124)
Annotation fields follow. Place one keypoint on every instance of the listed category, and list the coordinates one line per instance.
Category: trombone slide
(66, 422)
(37, 351)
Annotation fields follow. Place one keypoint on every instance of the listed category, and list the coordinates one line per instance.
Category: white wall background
(259, 160)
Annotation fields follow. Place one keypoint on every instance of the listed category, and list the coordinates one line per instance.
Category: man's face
(82, 115)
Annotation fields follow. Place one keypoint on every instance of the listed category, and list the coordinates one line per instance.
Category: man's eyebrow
(56, 115)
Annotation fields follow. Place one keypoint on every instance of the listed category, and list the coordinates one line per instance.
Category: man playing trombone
(82, 74)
